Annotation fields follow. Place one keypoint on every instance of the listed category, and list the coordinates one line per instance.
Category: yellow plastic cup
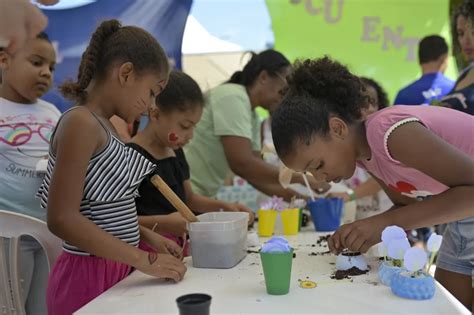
(266, 222)
(290, 219)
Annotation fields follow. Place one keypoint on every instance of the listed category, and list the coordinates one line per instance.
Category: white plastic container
(219, 239)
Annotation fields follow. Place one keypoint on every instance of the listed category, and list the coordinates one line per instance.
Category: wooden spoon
(169, 194)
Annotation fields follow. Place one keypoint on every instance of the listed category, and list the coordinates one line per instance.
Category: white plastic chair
(12, 227)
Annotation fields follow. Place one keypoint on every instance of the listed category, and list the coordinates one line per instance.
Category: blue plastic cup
(326, 213)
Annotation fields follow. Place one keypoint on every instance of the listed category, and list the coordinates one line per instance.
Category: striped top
(110, 187)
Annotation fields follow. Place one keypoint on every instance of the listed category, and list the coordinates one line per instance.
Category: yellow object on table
(290, 219)
(266, 222)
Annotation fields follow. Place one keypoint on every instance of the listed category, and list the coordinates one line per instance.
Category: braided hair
(112, 43)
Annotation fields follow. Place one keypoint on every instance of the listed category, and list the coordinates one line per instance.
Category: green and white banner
(375, 38)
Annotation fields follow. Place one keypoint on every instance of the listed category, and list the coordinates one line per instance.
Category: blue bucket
(326, 213)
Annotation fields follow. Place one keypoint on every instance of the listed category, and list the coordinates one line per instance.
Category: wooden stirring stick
(160, 184)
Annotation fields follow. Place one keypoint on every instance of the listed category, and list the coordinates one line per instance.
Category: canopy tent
(374, 38)
(219, 33)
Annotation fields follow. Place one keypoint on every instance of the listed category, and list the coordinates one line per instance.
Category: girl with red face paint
(171, 126)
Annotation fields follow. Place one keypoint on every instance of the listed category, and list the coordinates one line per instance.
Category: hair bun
(329, 80)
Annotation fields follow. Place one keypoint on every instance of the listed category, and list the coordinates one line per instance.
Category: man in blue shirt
(432, 56)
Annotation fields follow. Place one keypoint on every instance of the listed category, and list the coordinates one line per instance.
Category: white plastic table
(241, 290)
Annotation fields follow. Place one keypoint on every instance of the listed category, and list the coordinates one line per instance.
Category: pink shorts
(76, 280)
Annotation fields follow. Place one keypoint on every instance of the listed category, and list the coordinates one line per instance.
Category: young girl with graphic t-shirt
(26, 123)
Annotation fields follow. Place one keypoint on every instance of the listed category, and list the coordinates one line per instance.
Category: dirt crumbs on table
(323, 239)
(345, 274)
(319, 253)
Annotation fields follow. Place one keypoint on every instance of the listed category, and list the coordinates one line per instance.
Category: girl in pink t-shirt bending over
(423, 156)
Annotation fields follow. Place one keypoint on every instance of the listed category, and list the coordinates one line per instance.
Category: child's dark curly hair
(318, 89)
(181, 93)
(381, 94)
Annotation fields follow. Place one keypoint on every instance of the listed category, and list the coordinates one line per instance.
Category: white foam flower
(397, 248)
(393, 232)
(434, 242)
(415, 259)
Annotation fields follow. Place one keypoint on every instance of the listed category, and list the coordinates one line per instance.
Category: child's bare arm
(173, 223)
(265, 177)
(415, 146)
(161, 244)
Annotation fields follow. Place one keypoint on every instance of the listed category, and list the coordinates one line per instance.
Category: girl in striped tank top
(92, 178)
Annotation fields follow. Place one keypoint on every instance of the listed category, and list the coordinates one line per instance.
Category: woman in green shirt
(228, 136)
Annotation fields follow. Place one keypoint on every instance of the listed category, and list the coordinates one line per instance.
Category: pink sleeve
(379, 128)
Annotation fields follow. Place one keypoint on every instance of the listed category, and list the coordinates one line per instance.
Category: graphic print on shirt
(411, 191)
(431, 94)
(25, 139)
